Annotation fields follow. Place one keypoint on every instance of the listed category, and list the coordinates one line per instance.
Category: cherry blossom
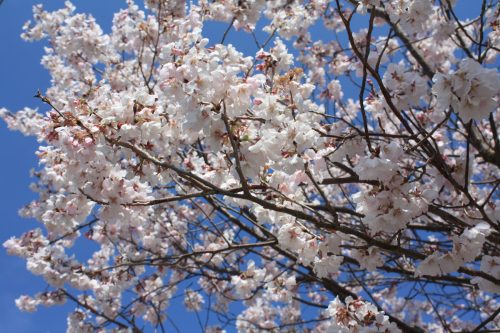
(317, 183)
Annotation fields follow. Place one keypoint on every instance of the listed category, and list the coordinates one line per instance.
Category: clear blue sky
(21, 76)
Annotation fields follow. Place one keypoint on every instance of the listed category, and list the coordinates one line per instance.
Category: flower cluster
(285, 182)
(393, 203)
(356, 315)
(471, 91)
(466, 248)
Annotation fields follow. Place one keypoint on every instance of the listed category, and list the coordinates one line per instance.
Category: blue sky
(21, 76)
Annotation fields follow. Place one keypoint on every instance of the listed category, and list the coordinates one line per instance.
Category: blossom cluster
(310, 182)
(471, 91)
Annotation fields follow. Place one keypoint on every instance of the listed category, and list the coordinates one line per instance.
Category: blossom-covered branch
(347, 183)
